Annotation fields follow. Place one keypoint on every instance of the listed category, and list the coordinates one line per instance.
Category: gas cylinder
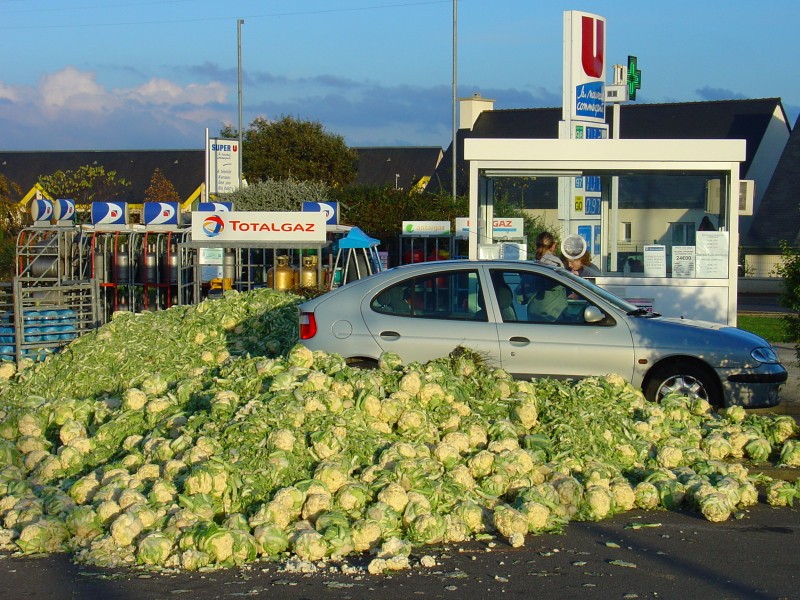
(148, 269)
(100, 266)
(44, 261)
(229, 265)
(281, 276)
(122, 264)
(169, 265)
(307, 277)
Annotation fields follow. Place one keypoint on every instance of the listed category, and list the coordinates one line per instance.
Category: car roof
(377, 279)
(462, 262)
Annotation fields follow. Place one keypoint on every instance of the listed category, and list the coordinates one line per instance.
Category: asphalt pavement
(790, 391)
(634, 556)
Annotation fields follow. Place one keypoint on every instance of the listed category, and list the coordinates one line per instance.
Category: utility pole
(455, 94)
(239, 24)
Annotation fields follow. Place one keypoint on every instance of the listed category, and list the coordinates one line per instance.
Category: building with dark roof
(762, 123)
(185, 169)
(777, 218)
(399, 167)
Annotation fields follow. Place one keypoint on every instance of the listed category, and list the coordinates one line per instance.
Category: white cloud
(8, 93)
(69, 109)
(70, 89)
(163, 91)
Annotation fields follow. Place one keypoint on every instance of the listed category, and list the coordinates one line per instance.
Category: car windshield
(618, 302)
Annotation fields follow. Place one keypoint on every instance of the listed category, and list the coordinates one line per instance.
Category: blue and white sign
(589, 101)
(110, 213)
(64, 209)
(330, 210)
(215, 206)
(161, 213)
(41, 210)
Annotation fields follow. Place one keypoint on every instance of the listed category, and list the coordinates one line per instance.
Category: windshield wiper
(642, 312)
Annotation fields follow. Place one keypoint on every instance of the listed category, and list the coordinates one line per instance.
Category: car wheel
(684, 378)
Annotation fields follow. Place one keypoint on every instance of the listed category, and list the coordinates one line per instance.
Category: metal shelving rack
(52, 299)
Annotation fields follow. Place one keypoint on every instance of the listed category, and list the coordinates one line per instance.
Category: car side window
(537, 298)
(452, 295)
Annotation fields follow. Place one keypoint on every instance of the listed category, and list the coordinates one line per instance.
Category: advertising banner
(330, 209)
(430, 228)
(215, 206)
(258, 226)
(222, 165)
(161, 213)
(110, 214)
(64, 209)
(584, 66)
(41, 209)
(502, 228)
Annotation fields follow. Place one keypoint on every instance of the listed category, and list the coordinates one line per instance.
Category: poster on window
(655, 260)
(712, 254)
(683, 261)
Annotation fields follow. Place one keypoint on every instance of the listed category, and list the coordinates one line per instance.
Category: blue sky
(126, 74)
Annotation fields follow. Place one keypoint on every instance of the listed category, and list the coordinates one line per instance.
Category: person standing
(583, 265)
(545, 250)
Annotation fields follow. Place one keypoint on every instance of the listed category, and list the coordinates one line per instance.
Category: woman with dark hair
(545, 250)
(583, 265)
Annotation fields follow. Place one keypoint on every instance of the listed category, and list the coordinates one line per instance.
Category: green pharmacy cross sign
(634, 78)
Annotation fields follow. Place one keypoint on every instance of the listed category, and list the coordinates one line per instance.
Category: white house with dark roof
(777, 218)
(762, 123)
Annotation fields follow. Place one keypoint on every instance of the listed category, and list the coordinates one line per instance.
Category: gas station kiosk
(660, 217)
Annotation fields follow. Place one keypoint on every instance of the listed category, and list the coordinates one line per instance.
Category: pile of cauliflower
(239, 456)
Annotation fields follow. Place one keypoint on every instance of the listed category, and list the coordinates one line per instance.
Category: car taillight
(308, 326)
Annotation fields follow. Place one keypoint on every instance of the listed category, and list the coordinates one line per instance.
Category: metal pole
(455, 94)
(613, 227)
(239, 24)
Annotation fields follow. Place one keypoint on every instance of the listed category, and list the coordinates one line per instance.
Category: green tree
(383, 210)
(789, 269)
(12, 219)
(276, 195)
(292, 148)
(161, 189)
(84, 185)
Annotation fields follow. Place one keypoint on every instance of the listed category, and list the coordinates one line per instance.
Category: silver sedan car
(537, 321)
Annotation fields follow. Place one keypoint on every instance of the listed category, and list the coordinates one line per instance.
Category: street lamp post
(455, 94)
(239, 24)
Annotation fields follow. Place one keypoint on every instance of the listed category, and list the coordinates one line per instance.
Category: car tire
(690, 379)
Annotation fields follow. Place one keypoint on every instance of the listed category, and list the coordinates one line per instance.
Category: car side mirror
(592, 314)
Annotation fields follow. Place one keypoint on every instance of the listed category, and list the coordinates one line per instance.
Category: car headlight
(765, 355)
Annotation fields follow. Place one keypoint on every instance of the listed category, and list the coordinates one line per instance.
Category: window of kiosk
(665, 223)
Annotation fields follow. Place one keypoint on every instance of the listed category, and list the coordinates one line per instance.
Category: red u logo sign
(592, 48)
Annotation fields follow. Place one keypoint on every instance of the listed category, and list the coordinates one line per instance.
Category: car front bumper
(758, 388)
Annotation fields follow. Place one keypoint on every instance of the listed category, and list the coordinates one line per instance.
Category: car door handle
(519, 340)
(392, 335)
